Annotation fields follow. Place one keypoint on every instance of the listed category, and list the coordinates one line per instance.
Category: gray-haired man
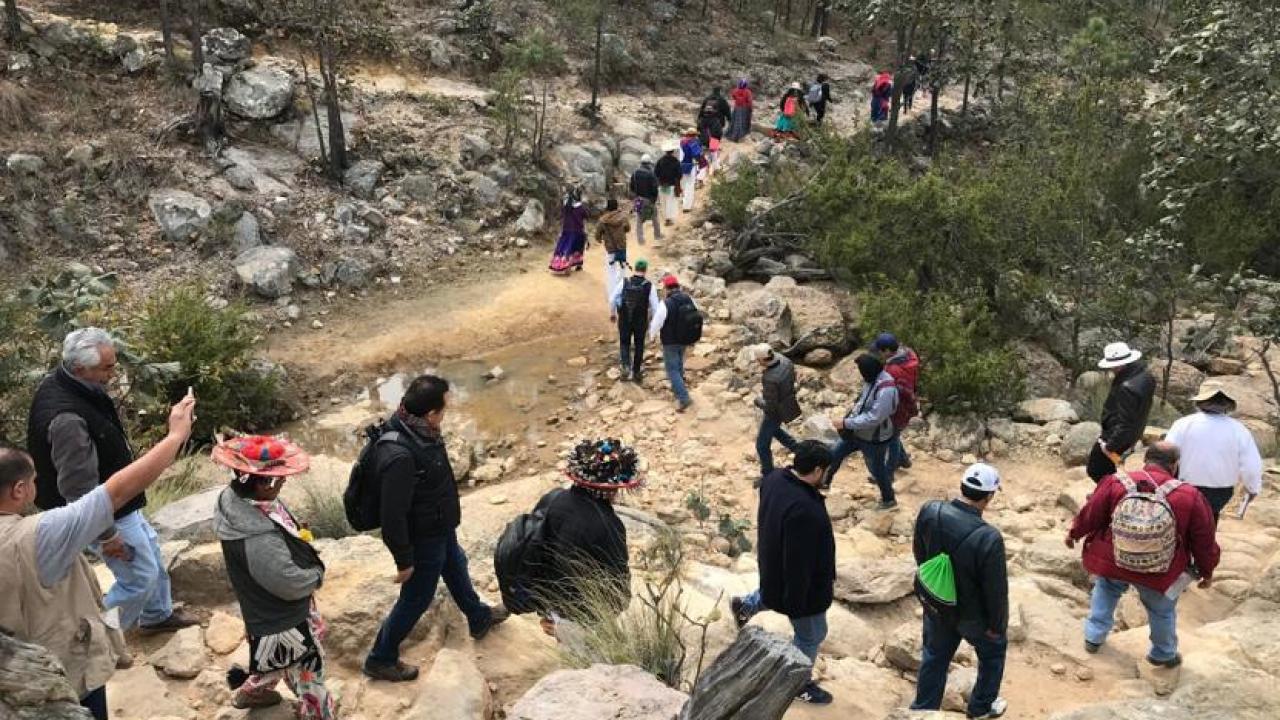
(77, 441)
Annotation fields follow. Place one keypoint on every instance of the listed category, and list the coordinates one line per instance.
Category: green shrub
(22, 359)
(964, 364)
(187, 343)
(324, 514)
(731, 195)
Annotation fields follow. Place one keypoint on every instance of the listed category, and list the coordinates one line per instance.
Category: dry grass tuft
(17, 106)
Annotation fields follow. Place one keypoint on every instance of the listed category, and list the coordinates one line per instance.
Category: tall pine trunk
(196, 35)
(935, 89)
(337, 134)
(595, 72)
(12, 23)
(906, 39)
(166, 33)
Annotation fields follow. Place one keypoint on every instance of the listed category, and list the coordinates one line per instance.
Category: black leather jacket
(1124, 414)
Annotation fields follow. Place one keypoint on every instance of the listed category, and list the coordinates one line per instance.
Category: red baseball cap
(670, 281)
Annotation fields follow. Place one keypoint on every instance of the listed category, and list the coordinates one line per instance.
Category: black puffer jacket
(977, 556)
(1124, 414)
(585, 543)
(419, 493)
(797, 546)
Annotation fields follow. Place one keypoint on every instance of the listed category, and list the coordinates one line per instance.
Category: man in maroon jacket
(1196, 545)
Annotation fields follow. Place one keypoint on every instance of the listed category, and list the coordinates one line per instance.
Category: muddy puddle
(508, 393)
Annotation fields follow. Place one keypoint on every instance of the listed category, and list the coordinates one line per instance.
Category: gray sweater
(779, 385)
(872, 417)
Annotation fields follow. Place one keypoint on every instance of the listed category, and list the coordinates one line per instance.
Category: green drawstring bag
(937, 578)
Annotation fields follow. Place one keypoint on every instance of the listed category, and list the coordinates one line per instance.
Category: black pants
(819, 111)
(1218, 499)
(96, 703)
(1099, 465)
(631, 341)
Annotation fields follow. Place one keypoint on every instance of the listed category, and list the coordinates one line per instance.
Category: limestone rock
(453, 689)
(960, 434)
(33, 683)
(259, 93)
(874, 581)
(300, 135)
(225, 45)
(485, 189)
(473, 149)
(767, 316)
(1073, 496)
(184, 656)
(532, 219)
(1049, 556)
(180, 214)
(815, 317)
(1079, 442)
(1045, 376)
(1184, 380)
(139, 694)
(362, 177)
(225, 633)
(24, 164)
(960, 684)
(267, 270)
(199, 575)
(1045, 410)
(190, 518)
(902, 649)
(247, 233)
(576, 164)
(618, 692)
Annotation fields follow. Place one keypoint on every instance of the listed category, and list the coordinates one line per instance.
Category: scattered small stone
(1058, 669)
(577, 362)
(1084, 674)
(498, 500)
(317, 325)
(495, 373)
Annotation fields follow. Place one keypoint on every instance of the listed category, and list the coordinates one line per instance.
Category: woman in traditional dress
(791, 105)
(275, 572)
(573, 234)
(743, 99)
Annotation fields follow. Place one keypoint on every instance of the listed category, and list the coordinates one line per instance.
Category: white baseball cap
(1117, 354)
(981, 476)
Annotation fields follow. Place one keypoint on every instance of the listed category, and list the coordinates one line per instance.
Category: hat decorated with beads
(262, 455)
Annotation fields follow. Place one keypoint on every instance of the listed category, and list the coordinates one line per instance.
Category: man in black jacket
(667, 171)
(634, 306)
(777, 400)
(797, 554)
(644, 187)
(980, 615)
(1124, 414)
(672, 335)
(420, 517)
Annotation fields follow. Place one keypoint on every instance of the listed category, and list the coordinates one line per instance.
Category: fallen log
(755, 678)
(33, 684)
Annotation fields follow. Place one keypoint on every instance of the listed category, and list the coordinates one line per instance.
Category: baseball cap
(884, 341)
(670, 281)
(641, 265)
(981, 476)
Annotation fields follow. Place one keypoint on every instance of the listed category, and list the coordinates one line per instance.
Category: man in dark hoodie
(868, 428)
(713, 115)
(644, 187)
(668, 172)
(797, 551)
(420, 518)
(1124, 414)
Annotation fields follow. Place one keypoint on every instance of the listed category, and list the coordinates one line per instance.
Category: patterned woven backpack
(1144, 531)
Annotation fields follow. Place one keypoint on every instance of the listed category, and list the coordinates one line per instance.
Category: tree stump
(756, 678)
(33, 684)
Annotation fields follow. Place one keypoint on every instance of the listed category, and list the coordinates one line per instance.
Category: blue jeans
(673, 362)
(876, 456)
(940, 644)
(141, 590)
(809, 631)
(96, 703)
(1162, 616)
(771, 429)
(433, 558)
(897, 451)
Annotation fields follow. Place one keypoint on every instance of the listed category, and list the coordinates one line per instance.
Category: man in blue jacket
(869, 428)
(797, 553)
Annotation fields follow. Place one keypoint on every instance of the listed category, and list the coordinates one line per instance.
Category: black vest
(60, 393)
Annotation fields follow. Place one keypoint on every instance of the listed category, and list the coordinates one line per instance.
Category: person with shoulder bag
(868, 429)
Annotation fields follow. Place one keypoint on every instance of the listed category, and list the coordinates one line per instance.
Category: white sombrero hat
(1118, 354)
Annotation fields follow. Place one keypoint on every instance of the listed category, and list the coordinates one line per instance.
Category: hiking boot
(905, 463)
(241, 700)
(177, 620)
(683, 405)
(1172, 662)
(739, 609)
(813, 694)
(497, 616)
(1092, 647)
(887, 505)
(398, 673)
(998, 708)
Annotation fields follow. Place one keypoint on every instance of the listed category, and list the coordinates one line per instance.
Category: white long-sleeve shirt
(1217, 452)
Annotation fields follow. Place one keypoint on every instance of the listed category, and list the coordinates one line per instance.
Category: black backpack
(688, 323)
(635, 299)
(515, 555)
(362, 500)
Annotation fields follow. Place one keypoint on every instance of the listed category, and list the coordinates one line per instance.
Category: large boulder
(1045, 410)
(190, 518)
(960, 434)
(267, 270)
(473, 148)
(1079, 442)
(259, 93)
(247, 233)
(300, 135)
(181, 215)
(874, 581)
(767, 316)
(1184, 381)
(577, 164)
(815, 317)
(1044, 375)
(199, 576)
(140, 694)
(362, 177)
(533, 217)
(903, 648)
(618, 692)
(1049, 556)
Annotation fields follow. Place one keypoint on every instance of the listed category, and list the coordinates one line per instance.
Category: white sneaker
(998, 708)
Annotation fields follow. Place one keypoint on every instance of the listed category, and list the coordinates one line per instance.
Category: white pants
(667, 205)
(690, 184)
